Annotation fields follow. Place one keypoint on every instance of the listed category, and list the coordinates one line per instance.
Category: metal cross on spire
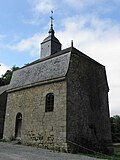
(51, 17)
(51, 31)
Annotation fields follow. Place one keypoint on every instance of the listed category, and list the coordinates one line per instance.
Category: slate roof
(48, 68)
(53, 38)
(3, 89)
(41, 70)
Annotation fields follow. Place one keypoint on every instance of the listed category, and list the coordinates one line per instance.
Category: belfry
(51, 44)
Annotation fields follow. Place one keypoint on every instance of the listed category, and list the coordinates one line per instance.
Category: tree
(5, 79)
(115, 128)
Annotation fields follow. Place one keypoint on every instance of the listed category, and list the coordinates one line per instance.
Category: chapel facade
(59, 101)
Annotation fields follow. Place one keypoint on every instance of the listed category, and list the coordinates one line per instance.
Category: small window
(49, 102)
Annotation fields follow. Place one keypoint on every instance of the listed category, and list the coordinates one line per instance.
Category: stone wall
(81, 111)
(87, 109)
(3, 99)
(40, 128)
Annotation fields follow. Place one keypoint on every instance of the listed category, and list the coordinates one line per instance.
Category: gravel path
(20, 152)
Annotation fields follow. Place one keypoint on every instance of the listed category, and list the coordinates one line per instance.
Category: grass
(117, 151)
(115, 156)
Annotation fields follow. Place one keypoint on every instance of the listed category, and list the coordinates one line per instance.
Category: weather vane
(51, 17)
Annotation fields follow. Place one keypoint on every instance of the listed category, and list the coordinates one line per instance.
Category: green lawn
(115, 156)
(117, 151)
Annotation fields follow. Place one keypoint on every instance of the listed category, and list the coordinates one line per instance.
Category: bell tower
(51, 44)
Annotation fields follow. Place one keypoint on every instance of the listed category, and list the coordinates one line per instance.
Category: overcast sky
(93, 25)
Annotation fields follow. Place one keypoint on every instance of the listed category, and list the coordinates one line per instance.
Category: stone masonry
(42, 129)
(87, 104)
(78, 85)
(3, 99)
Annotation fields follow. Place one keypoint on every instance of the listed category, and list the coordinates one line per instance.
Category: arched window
(49, 106)
(18, 125)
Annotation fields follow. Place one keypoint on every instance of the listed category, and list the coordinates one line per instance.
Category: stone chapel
(59, 101)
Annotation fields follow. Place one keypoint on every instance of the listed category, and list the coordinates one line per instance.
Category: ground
(20, 152)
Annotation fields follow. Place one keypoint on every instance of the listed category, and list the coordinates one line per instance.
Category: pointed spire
(51, 17)
(50, 44)
(51, 31)
(71, 43)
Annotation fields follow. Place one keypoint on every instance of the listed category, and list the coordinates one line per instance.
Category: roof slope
(51, 68)
(3, 89)
(48, 68)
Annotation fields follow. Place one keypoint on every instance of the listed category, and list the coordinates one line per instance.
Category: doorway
(18, 126)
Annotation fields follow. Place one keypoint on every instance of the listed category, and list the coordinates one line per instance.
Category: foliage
(5, 79)
(117, 150)
(115, 128)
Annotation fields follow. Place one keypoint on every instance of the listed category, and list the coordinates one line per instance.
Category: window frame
(49, 102)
